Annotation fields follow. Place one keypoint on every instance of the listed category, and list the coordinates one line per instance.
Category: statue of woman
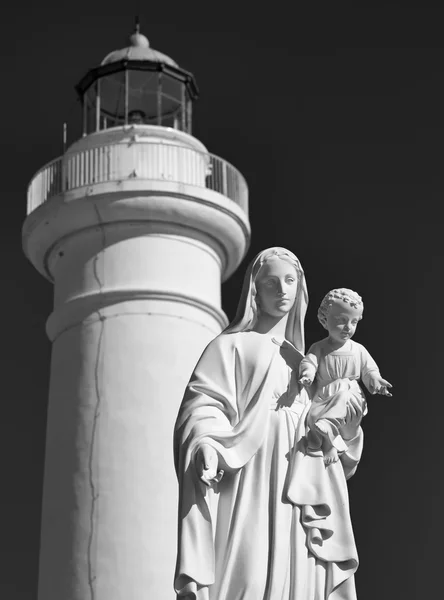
(251, 526)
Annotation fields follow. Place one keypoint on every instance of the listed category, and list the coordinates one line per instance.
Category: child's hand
(383, 390)
(305, 381)
(378, 385)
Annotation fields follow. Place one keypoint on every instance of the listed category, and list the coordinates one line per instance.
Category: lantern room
(137, 85)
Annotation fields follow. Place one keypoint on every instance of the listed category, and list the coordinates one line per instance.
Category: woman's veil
(246, 314)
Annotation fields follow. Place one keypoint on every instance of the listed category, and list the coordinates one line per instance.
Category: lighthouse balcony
(136, 160)
(138, 180)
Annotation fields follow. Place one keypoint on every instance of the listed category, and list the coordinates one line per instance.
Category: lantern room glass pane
(90, 100)
(112, 100)
(142, 96)
(172, 94)
(152, 98)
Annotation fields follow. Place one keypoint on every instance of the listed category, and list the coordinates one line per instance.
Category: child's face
(342, 321)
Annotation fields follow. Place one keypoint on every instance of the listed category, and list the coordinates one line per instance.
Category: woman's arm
(209, 406)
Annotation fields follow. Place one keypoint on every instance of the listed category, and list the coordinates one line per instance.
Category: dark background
(335, 117)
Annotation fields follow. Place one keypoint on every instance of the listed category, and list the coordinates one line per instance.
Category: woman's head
(275, 286)
(274, 283)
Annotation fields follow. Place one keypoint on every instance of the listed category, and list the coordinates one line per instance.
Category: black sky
(335, 117)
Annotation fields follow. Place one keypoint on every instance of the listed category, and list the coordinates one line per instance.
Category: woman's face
(276, 285)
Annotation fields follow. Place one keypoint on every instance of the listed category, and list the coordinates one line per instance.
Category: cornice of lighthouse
(160, 206)
(88, 310)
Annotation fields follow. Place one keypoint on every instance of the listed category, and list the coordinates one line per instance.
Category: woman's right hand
(206, 463)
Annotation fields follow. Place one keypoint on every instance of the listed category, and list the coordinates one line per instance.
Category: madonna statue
(261, 516)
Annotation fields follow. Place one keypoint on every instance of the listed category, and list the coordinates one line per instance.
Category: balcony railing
(140, 160)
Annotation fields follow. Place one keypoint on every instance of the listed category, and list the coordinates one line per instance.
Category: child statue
(334, 365)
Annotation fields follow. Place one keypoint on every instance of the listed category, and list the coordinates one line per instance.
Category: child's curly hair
(348, 296)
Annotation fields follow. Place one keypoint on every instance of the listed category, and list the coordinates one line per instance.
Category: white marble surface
(260, 516)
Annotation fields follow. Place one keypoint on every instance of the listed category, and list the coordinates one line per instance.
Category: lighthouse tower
(136, 225)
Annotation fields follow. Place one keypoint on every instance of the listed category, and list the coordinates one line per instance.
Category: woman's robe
(265, 532)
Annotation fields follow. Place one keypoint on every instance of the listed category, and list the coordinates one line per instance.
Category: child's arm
(308, 367)
(371, 377)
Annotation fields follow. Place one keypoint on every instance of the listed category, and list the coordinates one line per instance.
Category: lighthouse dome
(138, 49)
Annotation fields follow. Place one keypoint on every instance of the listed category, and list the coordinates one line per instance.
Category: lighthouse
(136, 225)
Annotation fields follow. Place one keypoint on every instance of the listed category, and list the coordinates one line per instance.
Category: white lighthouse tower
(136, 225)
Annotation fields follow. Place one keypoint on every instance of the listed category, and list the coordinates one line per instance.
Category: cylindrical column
(132, 314)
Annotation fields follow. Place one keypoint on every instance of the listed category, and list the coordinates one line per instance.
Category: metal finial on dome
(137, 39)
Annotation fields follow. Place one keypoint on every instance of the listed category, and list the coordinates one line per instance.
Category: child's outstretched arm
(371, 376)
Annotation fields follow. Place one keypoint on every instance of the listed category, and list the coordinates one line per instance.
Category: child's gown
(336, 376)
